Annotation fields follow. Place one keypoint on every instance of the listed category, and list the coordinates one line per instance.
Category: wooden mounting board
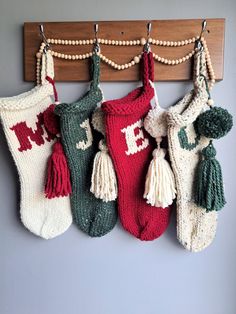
(68, 70)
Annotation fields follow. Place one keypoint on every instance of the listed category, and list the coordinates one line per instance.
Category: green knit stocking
(209, 186)
(80, 142)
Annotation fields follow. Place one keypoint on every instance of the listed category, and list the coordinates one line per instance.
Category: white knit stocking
(30, 146)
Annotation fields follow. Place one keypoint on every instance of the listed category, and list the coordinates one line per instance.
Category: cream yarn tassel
(160, 183)
(103, 181)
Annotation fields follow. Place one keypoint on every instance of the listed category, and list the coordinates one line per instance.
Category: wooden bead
(38, 55)
(143, 41)
(136, 59)
(210, 102)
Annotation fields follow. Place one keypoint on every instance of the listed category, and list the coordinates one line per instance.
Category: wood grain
(68, 70)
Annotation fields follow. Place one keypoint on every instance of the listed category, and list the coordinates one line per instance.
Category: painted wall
(116, 274)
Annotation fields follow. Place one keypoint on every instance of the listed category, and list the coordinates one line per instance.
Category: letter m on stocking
(27, 135)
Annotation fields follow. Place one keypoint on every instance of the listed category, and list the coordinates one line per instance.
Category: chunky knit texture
(80, 142)
(195, 228)
(131, 150)
(30, 145)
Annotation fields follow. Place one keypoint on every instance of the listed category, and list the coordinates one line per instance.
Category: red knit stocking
(131, 150)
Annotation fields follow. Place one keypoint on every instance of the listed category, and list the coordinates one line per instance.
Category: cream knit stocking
(195, 228)
(30, 146)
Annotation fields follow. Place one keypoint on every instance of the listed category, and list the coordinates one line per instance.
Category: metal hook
(149, 28)
(96, 46)
(41, 30)
(198, 42)
(147, 45)
(204, 25)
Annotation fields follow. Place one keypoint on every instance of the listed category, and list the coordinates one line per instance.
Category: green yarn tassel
(209, 191)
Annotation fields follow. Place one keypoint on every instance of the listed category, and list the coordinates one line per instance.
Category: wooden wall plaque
(169, 30)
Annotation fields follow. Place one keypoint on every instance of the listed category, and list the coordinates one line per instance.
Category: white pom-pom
(103, 181)
(160, 184)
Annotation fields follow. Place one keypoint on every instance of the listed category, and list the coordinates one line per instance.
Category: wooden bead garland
(135, 60)
(112, 42)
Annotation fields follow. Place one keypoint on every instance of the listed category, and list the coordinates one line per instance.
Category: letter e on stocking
(132, 138)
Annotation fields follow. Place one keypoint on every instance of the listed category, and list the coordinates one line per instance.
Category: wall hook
(96, 46)
(147, 44)
(41, 30)
(199, 42)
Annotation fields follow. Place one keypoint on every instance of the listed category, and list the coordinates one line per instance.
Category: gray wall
(117, 273)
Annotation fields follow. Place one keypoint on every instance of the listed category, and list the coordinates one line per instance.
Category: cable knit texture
(80, 142)
(131, 150)
(195, 228)
(30, 145)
